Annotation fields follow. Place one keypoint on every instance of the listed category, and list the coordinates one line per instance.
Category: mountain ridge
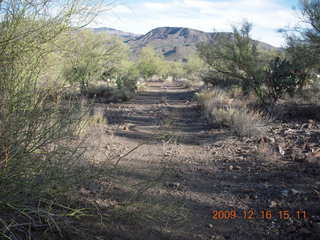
(174, 43)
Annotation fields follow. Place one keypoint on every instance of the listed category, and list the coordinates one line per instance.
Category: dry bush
(220, 109)
(41, 156)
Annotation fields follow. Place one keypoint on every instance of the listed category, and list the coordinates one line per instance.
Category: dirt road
(181, 172)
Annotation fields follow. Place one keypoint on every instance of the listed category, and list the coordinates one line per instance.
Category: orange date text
(250, 214)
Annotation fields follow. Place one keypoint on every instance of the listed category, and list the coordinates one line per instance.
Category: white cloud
(266, 15)
(120, 9)
(156, 6)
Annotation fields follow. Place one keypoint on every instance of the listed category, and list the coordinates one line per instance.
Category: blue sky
(140, 16)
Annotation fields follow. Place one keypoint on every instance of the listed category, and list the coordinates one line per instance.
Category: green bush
(239, 62)
(40, 157)
(91, 57)
(282, 77)
(149, 63)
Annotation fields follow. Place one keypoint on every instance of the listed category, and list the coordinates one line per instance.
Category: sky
(141, 16)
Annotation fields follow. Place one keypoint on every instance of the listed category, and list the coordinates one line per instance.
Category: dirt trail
(185, 170)
(162, 108)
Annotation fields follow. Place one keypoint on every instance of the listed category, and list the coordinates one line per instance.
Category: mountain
(177, 43)
(174, 43)
(126, 36)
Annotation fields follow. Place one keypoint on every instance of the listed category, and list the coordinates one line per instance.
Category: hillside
(174, 43)
(126, 36)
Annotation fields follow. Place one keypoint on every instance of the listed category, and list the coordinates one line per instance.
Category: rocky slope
(126, 36)
(174, 43)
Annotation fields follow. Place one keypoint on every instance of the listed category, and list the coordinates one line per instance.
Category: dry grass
(221, 109)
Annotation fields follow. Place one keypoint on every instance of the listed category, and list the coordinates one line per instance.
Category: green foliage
(176, 70)
(150, 63)
(238, 61)
(303, 44)
(282, 77)
(237, 57)
(194, 66)
(38, 126)
(129, 76)
(92, 57)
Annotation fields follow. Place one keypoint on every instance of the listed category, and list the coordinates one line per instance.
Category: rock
(311, 123)
(285, 193)
(299, 157)
(210, 226)
(219, 237)
(236, 168)
(84, 191)
(289, 131)
(295, 192)
(281, 151)
(174, 185)
(267, 139)
(314, 158)
(253, 196)
(273, 204)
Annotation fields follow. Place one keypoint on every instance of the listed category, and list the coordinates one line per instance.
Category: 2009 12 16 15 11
(258, 214)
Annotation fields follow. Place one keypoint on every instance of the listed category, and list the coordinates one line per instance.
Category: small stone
(295, 192)
(253, 196)
(210, 226)
(84, 191)
(289, 131)
(281, 151)
(273, 204)
(285, 193)
(271, 140)
(217, 238)
(174, 185)
(299, 157)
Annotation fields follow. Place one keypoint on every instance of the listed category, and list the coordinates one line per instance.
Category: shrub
(91, 57)
(40, 155)
(149, 63)
(236, 57)
(224, 111)
(282, 78)
(239, 62)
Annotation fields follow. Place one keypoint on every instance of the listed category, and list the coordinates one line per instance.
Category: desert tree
(240, 61)
(235, 56)
(303, 42)
(36, 123)
(91, 57)
(149, 63)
